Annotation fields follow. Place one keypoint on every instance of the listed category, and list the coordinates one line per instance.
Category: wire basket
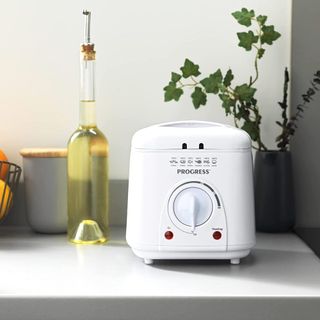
(10, 176)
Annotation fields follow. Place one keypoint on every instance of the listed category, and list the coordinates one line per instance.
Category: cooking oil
(88, 151)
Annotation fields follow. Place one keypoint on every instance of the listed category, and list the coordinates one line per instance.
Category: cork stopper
(87, 51)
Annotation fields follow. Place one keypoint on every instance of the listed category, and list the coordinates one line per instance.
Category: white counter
(45, 277)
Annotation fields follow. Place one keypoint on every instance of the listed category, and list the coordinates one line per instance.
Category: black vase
(273, 183)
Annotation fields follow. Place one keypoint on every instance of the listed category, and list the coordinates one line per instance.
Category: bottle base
(88, 232)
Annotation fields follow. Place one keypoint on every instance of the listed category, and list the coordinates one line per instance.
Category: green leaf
(244, 16)
(172, 92)
(261, 52)
(211, 83)
(228, 78)
(247, 39)
(262, 19)
(190, 69)
(244, 92)
(198, 97)
(251, 129)
(175, 77)
(243, 113)
(269, 35)
(227, 103)
(222, 87)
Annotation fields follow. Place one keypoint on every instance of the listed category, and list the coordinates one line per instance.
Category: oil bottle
(88, 152)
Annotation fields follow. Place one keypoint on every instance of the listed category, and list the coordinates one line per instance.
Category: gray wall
(305, 144)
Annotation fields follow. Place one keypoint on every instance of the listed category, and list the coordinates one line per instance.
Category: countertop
(45, 277)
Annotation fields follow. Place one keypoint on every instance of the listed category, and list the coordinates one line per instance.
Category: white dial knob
(192, 207)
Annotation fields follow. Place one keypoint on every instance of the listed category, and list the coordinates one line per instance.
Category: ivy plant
(237, 99)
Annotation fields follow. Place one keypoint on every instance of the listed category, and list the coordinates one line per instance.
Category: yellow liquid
(88, 186)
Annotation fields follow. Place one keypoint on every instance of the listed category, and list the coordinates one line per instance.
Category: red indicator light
(168, 235)
(217, 235)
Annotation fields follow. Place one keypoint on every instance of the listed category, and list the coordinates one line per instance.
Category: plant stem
(258, 48)
(235, 122)
(257, 71)
(194, 81)
(182, 85)
(186, 85)
(262, 147)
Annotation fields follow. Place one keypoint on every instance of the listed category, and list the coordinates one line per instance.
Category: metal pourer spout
(87, 48)
(87, 24)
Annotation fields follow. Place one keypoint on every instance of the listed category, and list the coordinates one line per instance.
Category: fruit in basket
(5, 198)
(3, 167)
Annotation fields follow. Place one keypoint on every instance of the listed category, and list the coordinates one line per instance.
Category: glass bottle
(88, 152)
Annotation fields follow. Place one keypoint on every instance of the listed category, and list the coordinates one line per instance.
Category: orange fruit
(3, 167)
(5, 198)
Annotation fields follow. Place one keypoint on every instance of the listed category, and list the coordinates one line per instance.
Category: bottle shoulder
(100, 134)
(92, 133)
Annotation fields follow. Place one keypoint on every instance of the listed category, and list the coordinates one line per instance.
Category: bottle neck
(87, 116)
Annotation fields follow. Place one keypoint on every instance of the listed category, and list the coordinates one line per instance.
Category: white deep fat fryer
(191, 192)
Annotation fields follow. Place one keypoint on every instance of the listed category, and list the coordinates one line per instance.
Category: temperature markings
(189, 161)
(173, 162)
(218, 201)
(214, 161)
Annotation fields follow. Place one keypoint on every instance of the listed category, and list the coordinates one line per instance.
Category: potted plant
(273, 169)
